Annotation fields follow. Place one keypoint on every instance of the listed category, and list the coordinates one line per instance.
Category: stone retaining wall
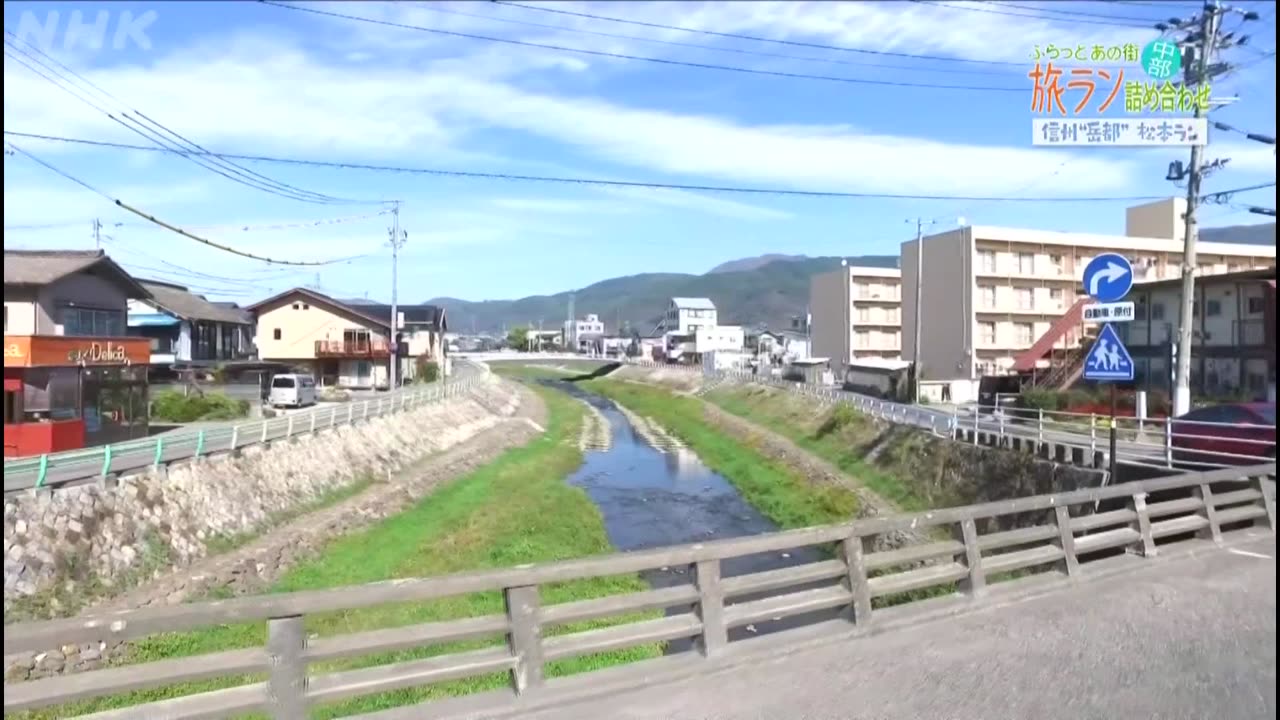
(64, 545)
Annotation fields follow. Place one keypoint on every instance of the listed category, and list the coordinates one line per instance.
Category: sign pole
(1112, 457)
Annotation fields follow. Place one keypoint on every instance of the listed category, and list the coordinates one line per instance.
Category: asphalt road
(1187, 639)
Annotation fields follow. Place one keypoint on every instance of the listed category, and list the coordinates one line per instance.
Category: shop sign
(107, 353)
(13, 351)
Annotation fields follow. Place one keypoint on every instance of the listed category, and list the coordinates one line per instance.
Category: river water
(658, 496)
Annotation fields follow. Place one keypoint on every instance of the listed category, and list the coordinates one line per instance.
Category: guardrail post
(42, 473)
(1093, 437)
(1168, 443)
(854, 552)
(286, 683)
(975, 424)
(365, 414)
(159, 456)
(1040, 425)
(235, 437)
(106, 461)
(199, 443)
(351, 414)
(264, 432)
(1147, 544)
(710, 609)
(975, 585)
(288, 429)
(525, 637)
(1070, 565)
(313, 420)
(333, 417)
(1212, 531)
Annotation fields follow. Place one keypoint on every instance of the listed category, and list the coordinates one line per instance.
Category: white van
(293, 391)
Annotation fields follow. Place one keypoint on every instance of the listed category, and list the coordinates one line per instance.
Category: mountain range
(769, 289)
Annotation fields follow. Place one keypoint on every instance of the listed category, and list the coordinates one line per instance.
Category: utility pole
(97, 234)
(398, 238)
(1201, 43)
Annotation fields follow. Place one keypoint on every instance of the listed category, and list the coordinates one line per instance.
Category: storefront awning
(152, 320)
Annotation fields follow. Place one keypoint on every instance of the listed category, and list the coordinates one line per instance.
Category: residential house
(856, 314)
(1233, 350)
(990, 293)
(685, 315)
(186, 330)
(343, 343)
(585, 335)
(71, 377)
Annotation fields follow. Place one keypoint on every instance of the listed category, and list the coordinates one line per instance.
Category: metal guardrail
(1046, 535)
(55, 469)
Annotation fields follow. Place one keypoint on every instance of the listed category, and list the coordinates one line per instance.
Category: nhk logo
(49, 32)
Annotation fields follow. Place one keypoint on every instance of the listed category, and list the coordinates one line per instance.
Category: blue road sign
(1108, 277)
(1109, 359)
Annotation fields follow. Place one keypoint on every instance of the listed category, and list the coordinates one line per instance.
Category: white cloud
(1250, 158)
(697, 201)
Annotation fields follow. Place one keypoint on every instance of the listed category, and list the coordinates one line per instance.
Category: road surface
(1192, 638)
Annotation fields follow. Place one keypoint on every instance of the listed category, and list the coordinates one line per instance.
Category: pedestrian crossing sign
(1109, 359)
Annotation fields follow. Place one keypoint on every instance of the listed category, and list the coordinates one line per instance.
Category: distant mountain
(1263, 234)
(754, 263)
(770, 293)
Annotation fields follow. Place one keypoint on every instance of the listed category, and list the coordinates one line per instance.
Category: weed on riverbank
(515, 510)
(786, 497)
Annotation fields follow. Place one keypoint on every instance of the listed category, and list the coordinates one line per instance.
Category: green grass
(221, 543)
(839, 435)
(515, 510)
(784, 496)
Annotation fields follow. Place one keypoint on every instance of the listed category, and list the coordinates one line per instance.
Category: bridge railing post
(1212, 531)
(710, 608)
(975, 584)
(1268, 501)
(1070, 564)
(1146, 546)
(853, 550)
(525, 637)
(287, 679)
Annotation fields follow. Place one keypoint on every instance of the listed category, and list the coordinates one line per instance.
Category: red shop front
(65, 393)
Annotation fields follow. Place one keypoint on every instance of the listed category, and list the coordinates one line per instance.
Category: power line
(590, 181)
(712, 48)
(642, 58)
(172, 228)
(753, 38)
(245, 177)
(1008, 13)
(1070, 13)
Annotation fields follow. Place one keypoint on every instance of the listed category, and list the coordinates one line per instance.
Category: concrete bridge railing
(968, 553)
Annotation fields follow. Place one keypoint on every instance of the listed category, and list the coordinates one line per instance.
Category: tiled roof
(179, 301)
(43, 267)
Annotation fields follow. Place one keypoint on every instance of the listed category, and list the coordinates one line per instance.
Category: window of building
(1055, 296)
(862, 338)
(1026, 333)
(1056, 262)
(1256, 382)
(864, 314)
(1255, 306)
(88, 322)
(297, 306)
(1157, 311)
(987, 332)
(988, 297)
(987, 260)
(894, 315)
(275, 334)
(1026, 263)
(1213, 308)
(1026, 299)
(1139, 309)
(306, 306)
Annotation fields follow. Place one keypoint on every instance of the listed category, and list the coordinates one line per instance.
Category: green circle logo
(1162, 59)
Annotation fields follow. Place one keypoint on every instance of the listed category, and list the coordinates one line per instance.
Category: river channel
(654, 496)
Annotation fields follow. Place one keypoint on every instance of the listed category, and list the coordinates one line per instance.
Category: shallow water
(653, 497)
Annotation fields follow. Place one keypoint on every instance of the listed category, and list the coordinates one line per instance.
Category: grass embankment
(784, 496)
(841, 436)
(517, 509)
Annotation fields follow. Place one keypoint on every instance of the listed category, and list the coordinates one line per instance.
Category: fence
(59, 468)
(858, 582)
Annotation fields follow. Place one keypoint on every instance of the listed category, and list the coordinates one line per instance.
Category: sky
(255, 79)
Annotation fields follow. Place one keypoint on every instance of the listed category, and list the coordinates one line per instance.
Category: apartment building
(989, 293)
(585, 334)
(1233, 351)
(344, 343)
(857, 313)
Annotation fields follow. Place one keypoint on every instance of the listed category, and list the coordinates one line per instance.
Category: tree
(518, 338)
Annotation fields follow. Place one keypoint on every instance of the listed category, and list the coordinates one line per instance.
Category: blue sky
(255, 79)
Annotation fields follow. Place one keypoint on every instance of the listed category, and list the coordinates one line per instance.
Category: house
(186, 330)
(585, 334)
(343, 343)
(857, 313)
(989, 294)
(685, 315)
(71, 376)
(1233, 347)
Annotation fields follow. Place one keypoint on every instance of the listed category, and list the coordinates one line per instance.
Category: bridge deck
(1190, 638)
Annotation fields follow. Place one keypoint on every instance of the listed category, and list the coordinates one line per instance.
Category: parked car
(1235, 434)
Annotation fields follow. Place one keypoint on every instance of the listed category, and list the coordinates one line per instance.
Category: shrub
(1039, 399)
(173, 406)
(428, 370)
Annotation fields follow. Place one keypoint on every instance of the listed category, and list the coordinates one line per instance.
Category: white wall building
(989, 293)
(857, 313)
(584, 333)
(685, 315)
(719, 338)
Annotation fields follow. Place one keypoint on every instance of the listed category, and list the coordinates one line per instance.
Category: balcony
(1250, 333)
(352, 349)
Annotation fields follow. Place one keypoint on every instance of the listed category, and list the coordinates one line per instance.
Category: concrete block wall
(166, 518)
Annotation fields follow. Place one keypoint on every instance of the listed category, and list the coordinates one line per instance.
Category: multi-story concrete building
(1233, 352)
(857, 313)
(685, 315)
(990, 293)
(585, 334)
